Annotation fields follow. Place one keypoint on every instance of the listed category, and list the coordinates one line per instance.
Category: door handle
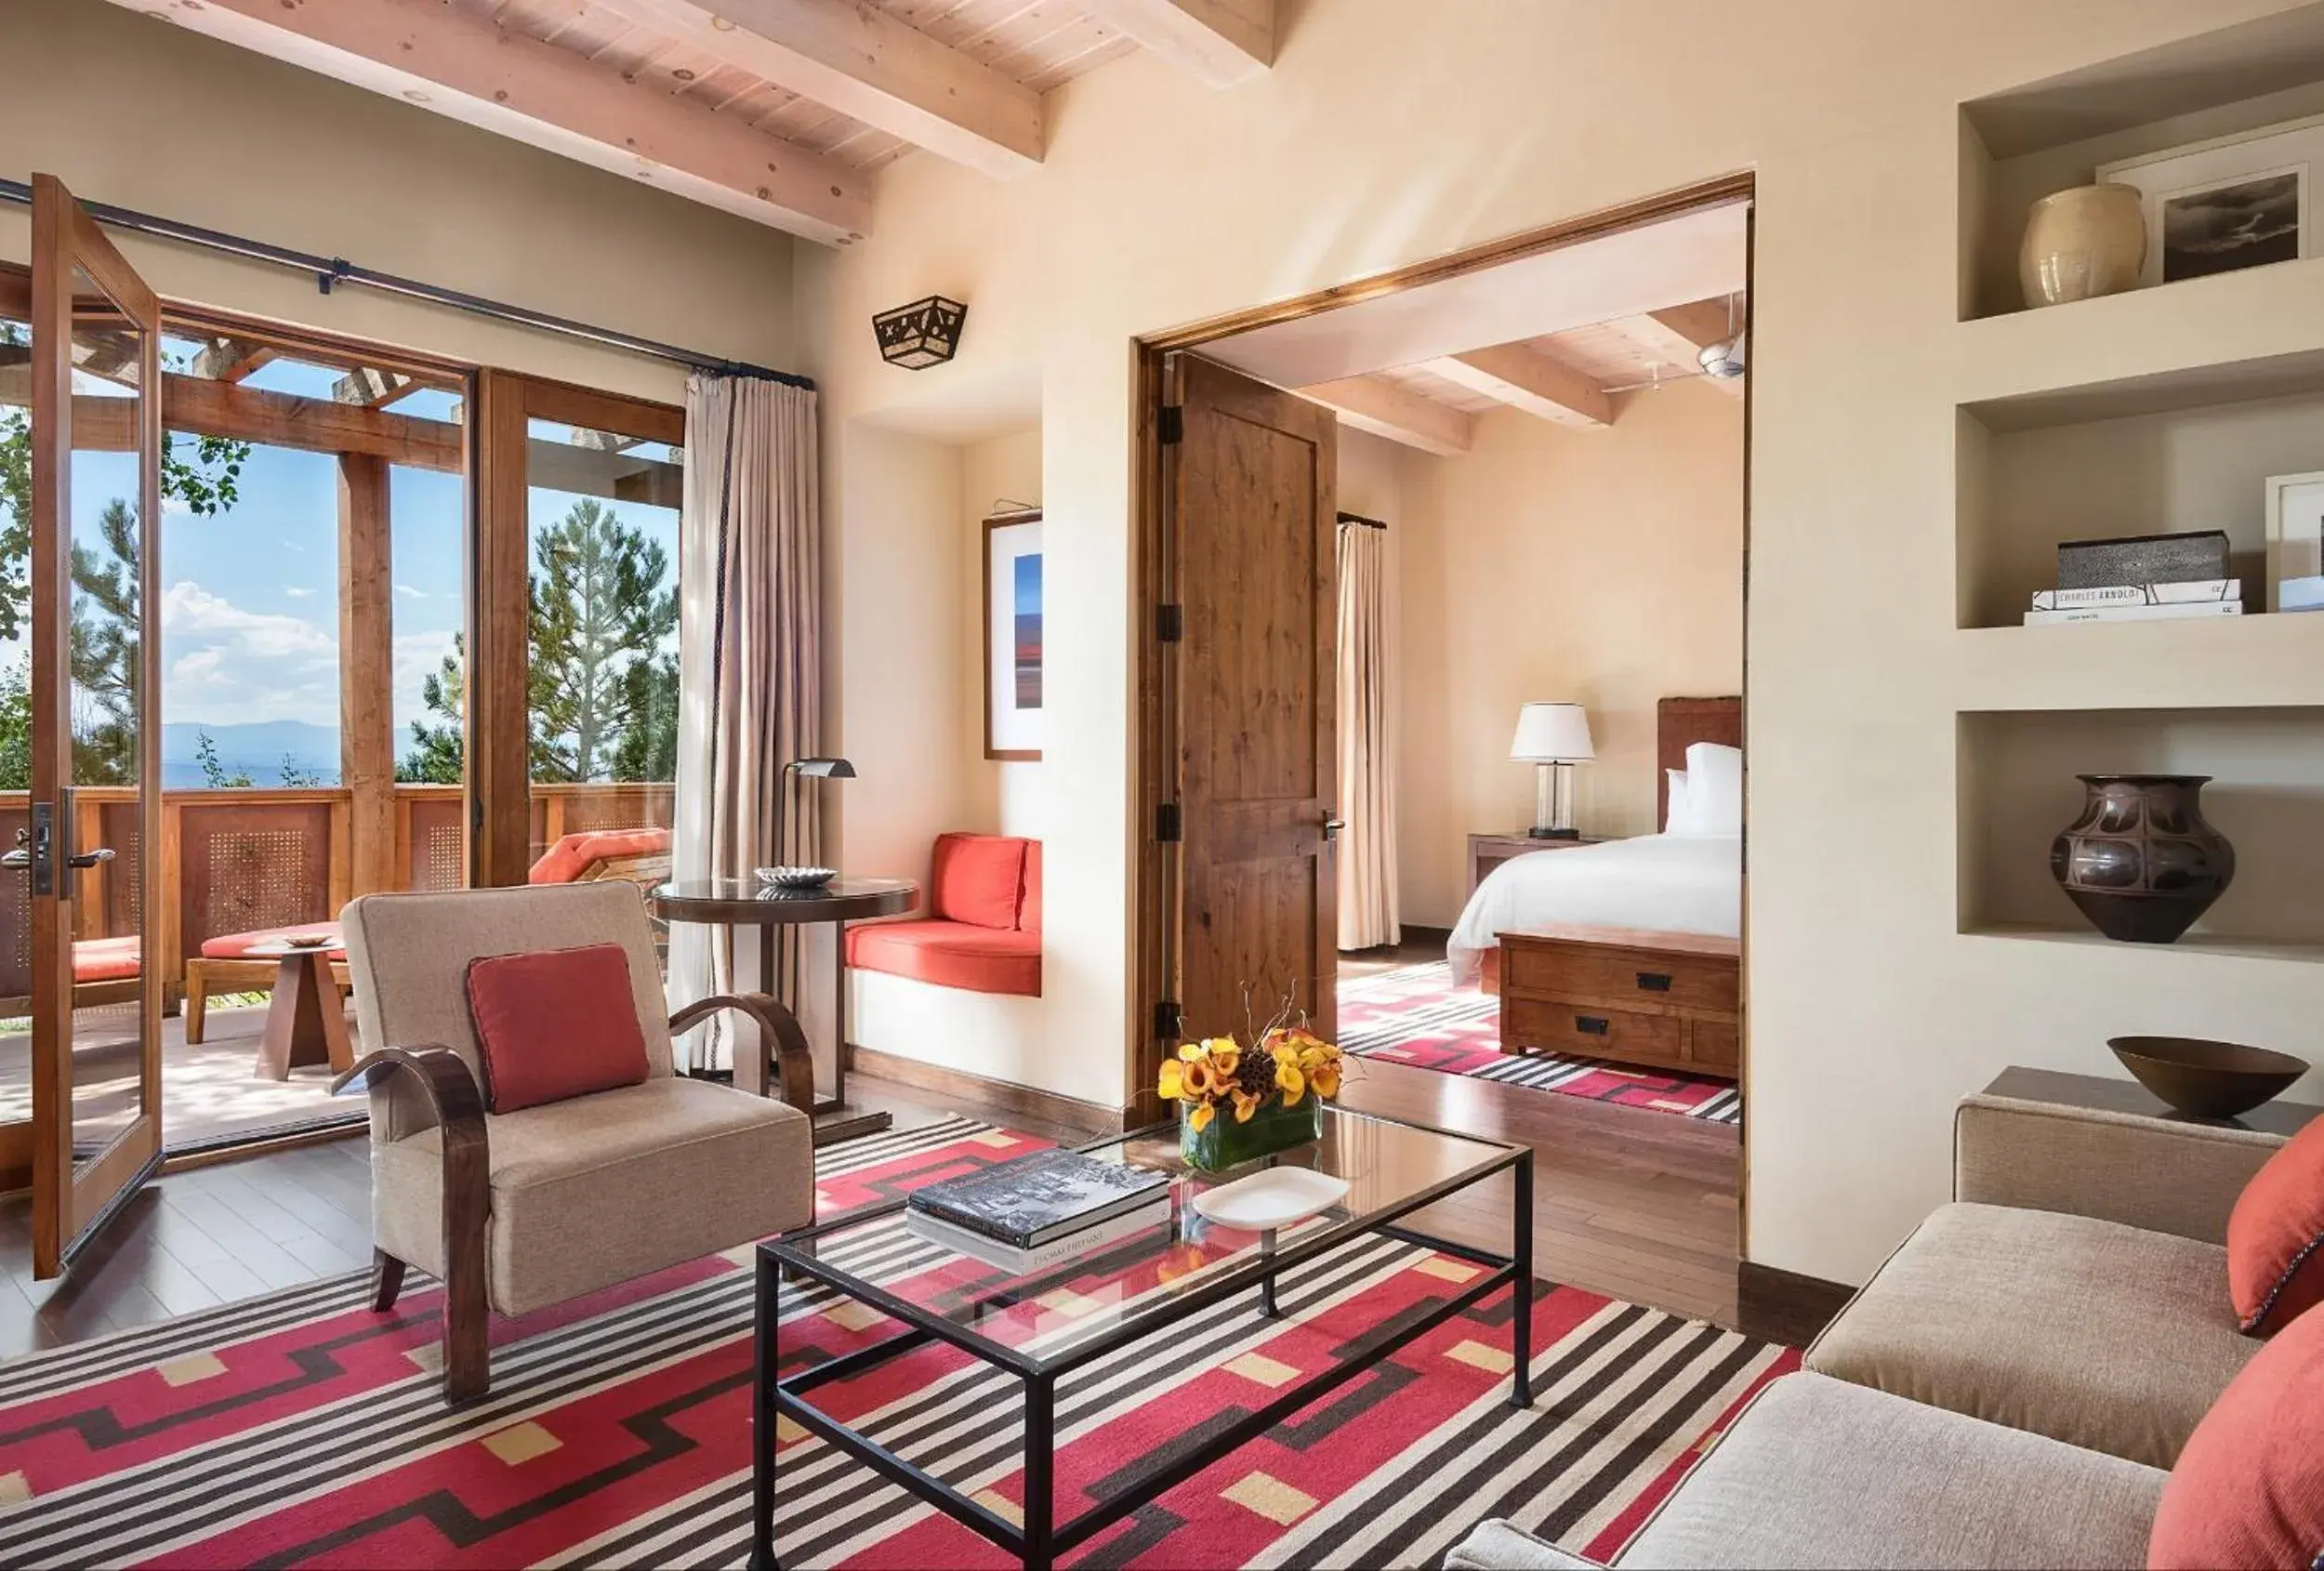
(1332, 827)
(90, 858)
(19, 858)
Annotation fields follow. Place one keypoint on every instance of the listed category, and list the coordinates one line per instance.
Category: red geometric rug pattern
(301, 1429)
(1415, 1015)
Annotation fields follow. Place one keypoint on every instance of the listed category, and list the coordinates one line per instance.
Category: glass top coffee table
(1041, 1325)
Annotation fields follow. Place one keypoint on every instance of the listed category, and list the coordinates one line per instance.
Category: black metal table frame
(1041, 1537)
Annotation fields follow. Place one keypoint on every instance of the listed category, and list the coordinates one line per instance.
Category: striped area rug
(1415, 1015)
(302, 1429)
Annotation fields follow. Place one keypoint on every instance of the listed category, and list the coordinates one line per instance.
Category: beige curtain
(750, 652)
(1368, 755)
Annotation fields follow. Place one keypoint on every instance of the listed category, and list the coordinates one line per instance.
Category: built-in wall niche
(2022, 144)
(2147, 456)
(2017, 788)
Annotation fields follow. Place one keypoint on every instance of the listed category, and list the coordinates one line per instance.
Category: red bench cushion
(958, 954)
(1029, 914)
(234, 946)
(977, 879)
(105, 959)
(555, 1024)
(575, 854)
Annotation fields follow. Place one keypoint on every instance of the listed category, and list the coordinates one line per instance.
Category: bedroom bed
(1627, 950)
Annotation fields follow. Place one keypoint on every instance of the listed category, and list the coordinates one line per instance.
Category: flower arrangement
(1235, 1103)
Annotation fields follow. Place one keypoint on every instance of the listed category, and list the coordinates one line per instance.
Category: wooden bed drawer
(1714, 1045)
(1589, 1031)
(1654, 979)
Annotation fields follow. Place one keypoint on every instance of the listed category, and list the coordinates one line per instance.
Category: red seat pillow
(977, 879)
(2276, 1237)
(555, 1024)
(1029, 913)
(2248, 1492)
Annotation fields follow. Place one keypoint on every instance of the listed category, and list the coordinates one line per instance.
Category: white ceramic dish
(1275, 1198)
(797, 878)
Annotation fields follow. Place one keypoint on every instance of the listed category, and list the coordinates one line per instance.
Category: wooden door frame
(1156, 892)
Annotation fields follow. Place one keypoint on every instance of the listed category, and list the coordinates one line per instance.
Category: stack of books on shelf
(2137, 602)
(1039, 1212)
(2141, 578)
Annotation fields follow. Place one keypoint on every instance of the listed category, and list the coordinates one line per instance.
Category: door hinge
(1171, 428)
(1170, 623)
(1165, 824)
(1167, 1021)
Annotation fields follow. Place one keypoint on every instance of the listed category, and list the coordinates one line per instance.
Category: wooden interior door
(95, 360)
(1249, 520)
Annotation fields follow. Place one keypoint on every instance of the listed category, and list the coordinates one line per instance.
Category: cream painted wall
(1161, 202)
(1603, 567)
(141, 114)
(1006, 797)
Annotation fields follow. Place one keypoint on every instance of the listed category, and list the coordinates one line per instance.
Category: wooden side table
(1488, 851)
(306, 1020)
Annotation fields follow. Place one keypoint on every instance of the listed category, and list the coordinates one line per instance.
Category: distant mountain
(257, 749)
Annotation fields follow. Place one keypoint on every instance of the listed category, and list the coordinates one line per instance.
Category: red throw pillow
(559, 1023)
(2247, 1493)
(977, 880)
(2276, 1237)
(1029, 914)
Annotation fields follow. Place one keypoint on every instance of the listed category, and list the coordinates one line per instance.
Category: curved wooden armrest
(443, 1076)
(781, 1026)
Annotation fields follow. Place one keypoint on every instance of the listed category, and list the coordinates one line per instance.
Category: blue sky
(250, 599)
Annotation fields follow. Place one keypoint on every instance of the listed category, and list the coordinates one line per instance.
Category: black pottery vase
(2141, 861)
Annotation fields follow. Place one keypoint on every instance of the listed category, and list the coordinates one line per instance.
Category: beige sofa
(2011, 1387)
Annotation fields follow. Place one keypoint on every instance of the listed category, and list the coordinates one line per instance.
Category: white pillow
(1675, 817)
(1714, 791)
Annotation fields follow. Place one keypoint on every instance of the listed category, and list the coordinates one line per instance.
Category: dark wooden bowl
(2207, 1080)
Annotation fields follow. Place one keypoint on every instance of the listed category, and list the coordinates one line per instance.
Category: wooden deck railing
(271, 856)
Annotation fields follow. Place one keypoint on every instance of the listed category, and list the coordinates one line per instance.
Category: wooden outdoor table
(746, 903)
(305, 1022)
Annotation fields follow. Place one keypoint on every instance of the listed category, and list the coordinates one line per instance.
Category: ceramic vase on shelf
(2140, 860)
(2083, 241)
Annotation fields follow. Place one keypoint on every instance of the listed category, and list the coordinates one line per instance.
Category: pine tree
(439, 751)
(104, 651)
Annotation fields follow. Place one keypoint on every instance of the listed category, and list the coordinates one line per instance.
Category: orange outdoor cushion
(2248, 1492)
(573, 855)
(950, 954)
(977, 879)
(2275, 1238)
(234, 946)
(555, 1024)
(105, 959)
(1029, 914)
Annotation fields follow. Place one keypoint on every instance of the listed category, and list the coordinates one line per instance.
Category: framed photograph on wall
(2228, 204)
(1013, 635)
(2295, 531)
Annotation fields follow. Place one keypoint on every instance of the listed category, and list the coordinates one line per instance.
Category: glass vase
(1223, 1144)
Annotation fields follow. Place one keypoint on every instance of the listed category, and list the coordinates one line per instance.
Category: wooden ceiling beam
(1678, 336)
(370, 387)
(1526, 378)
(270, 419)
(865, 64)
(230, 360)
(1387, 409)
(456, 63)
(1219, 42)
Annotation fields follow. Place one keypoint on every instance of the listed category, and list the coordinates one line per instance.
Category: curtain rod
(329, 272)
(1360, 519)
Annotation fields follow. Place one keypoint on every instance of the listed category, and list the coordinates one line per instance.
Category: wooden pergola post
(368, 671)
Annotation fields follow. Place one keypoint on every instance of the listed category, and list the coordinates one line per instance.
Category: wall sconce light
(923, 334)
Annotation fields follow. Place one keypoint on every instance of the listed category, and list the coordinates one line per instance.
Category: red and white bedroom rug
(1415, 1015)
(301, 1429)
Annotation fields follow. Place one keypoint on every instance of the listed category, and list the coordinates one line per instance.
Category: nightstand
(1488, 851)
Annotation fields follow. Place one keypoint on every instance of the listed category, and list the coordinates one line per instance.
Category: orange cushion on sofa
(2248, 1492)
(950, 954)
(977, 879)
(559, 1023)
(105, 959)
(1029, 913)
(2276, 1237)
(575, 854)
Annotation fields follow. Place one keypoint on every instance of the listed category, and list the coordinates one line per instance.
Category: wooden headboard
(1679, 723)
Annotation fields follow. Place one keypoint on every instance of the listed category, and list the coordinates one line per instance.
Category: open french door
(82, 843)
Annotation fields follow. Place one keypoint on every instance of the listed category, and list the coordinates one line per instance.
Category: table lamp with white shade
(1553, 737)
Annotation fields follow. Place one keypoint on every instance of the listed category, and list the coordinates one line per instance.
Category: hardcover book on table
(1034, 1199)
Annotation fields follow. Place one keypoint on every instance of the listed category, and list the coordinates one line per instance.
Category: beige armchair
(518, 1212)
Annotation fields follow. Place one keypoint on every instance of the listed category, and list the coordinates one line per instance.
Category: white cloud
(174, 507)
(228, 664)
(410, 591)
(193, 613)
(296, 593)
(200, 666)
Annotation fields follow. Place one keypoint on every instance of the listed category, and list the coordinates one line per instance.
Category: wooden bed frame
(1660, 1000)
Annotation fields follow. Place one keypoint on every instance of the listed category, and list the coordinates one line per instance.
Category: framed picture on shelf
(2295, 532)
(1013, 635)
(2228, 204)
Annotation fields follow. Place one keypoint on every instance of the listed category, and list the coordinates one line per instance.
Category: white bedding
(1671, 883)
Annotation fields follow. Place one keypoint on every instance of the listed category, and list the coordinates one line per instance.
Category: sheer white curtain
(1368, 754)
(749, 656)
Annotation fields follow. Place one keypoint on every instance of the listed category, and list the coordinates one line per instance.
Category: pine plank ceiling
(781, 111)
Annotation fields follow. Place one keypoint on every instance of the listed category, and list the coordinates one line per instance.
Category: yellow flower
(1288, 1075)
(1246, 1103)
(1199, 1079)
(1198, 1116)
(1226, 1055)
(1189, 1051)
(1172, 1086)
(1325, 1079)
